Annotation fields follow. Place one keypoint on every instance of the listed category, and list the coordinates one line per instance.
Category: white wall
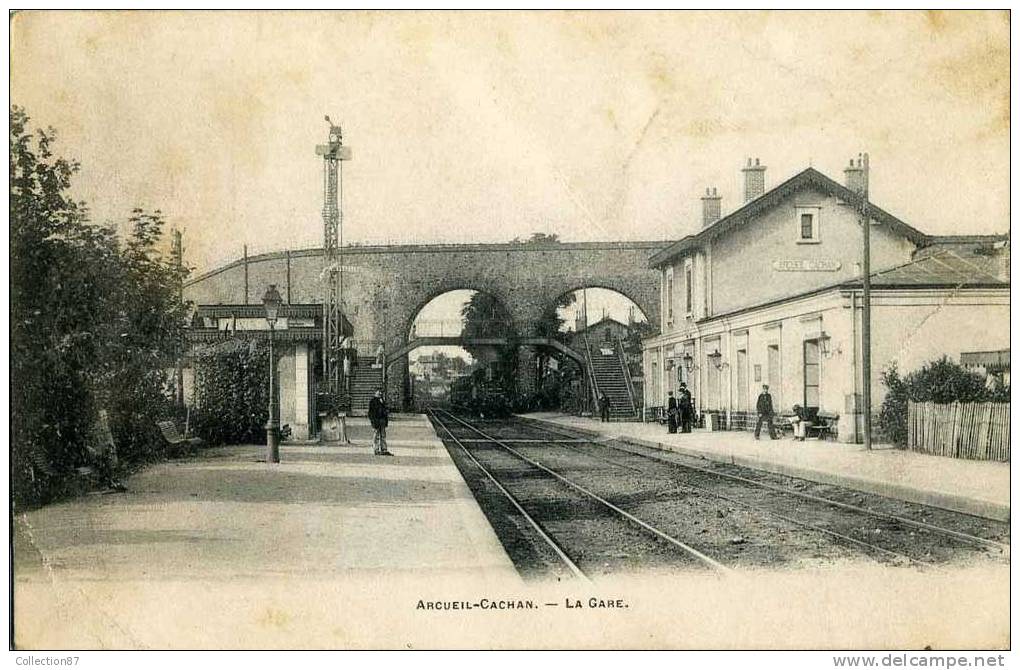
(742, 259)
(912, 330)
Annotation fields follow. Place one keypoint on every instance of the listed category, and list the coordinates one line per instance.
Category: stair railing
(590, 364)
(626, 374)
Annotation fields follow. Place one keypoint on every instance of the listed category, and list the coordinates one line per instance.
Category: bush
(232, 392)
(333, 404)
(892, 418)
(941, 381)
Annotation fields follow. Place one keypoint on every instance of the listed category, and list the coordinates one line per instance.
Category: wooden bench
(825, 426)
(174, 438)
(655, 415)
(784, 423)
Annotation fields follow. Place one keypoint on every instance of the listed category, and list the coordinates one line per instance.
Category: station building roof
(771, 198)
(942, 269)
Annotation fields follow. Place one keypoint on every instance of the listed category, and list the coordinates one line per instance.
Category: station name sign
(813, 265)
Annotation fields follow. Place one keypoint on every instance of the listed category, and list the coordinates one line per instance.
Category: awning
(992, 361)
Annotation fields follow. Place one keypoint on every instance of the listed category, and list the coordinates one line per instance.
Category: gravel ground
(972, 525)
(730, 533)
(737, 523)
(909, 542)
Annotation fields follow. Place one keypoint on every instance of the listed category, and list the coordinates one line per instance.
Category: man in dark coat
(672, 413)
(686, 409)
(379, 416)
(765, 413)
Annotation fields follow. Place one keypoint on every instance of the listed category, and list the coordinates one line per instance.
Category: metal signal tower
(332, 154)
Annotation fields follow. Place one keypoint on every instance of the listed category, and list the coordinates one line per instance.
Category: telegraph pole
(866, 304)
(178, 259)
(584, 329)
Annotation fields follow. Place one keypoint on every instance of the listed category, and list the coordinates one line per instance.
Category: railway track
(767, 511)
(949, 533)
(484, 459)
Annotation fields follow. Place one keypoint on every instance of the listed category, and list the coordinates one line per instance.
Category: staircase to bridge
(611, 376)
(365, 381)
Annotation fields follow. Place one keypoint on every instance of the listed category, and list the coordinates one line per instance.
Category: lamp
(825, 345)
(715, 358)
(688, 361)
(272, 301)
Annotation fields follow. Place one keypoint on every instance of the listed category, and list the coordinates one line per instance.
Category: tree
(538, 239)
(95, 323)
(484, 316)
(54, 304)
(551, 324)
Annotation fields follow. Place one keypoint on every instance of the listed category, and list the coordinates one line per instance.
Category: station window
(807, 225)
(669, 295)
(688, 290)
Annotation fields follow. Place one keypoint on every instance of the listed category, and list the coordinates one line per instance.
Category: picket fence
(974, 430)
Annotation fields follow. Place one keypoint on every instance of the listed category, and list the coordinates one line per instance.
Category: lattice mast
(333, 154)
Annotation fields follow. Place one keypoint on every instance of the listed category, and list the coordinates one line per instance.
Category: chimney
(754, 180)
(711, 207)
(580, 321)
(855, 176)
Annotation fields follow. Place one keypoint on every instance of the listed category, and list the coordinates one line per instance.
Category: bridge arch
(624, 291)
(430, 298)
(386, 286)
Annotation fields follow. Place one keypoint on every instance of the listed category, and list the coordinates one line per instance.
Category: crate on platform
(714, 420)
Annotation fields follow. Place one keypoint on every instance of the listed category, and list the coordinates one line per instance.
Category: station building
(771, 294)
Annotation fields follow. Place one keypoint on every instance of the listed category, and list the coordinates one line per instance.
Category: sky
(480, 127)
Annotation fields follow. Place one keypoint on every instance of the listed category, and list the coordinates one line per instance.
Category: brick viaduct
(386, 286)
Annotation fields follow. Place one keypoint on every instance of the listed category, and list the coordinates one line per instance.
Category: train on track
(478, 396)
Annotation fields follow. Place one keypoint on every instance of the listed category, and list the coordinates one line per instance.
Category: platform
(974, 487)
(197, 551)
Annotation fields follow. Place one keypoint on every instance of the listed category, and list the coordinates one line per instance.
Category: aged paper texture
(669, 190)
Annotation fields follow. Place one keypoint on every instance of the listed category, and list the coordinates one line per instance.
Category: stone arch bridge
(385, 287)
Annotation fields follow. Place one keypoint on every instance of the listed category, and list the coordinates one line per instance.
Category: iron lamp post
(272, 300)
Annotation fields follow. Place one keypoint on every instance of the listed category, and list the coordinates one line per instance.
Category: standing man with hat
(686, 409)
(765, 413)
(672, 413)
(379, 416)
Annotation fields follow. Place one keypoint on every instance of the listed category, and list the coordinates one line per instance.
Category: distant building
(432, 374)
(771, 294)
(603, 332)
(992, 364)
(606, 331)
